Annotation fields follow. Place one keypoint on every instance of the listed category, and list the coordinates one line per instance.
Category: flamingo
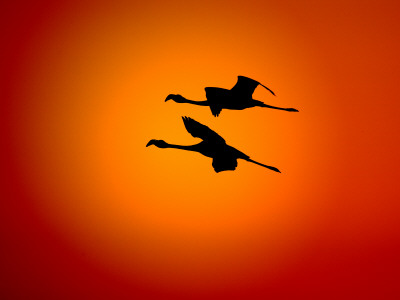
(237, 98)
(213, 145)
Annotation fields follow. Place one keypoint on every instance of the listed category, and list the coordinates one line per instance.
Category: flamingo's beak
(169, 97)
(151, 142)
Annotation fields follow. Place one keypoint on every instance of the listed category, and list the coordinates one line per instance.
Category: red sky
(89, 212)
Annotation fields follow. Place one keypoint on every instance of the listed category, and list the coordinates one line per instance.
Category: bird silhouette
(237, 98)
(213, 145)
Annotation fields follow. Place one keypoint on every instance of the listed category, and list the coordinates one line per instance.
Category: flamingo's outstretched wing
(245, 87)
(215, 98)
(201, 131)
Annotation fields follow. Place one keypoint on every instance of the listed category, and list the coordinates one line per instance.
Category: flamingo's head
(176, 97)
(157, 143)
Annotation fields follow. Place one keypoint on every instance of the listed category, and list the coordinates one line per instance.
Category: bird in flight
(237, 98)
(213, 145)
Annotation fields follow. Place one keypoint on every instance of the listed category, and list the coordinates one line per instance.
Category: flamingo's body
(237, 98)
(213, 145)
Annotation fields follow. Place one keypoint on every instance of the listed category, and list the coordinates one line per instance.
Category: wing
(245, 87)
(224, 163)
(215, 98)
(201, 131)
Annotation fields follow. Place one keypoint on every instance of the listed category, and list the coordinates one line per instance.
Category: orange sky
(84, 92)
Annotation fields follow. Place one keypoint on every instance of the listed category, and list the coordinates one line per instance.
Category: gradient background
(87, 212)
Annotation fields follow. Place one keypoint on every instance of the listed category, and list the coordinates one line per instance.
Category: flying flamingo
(237, 98)
(213, 145)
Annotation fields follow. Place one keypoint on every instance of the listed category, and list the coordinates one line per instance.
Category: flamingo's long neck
(182, 147)
(201, 103)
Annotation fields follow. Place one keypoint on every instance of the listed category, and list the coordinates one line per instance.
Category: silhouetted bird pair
(213, 145)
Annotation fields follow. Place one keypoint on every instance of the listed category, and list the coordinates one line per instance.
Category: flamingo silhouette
(213, 145)
(237, 98)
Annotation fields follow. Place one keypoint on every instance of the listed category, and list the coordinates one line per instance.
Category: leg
(280, 108)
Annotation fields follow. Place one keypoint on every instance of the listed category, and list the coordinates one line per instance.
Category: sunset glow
(92, 212)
